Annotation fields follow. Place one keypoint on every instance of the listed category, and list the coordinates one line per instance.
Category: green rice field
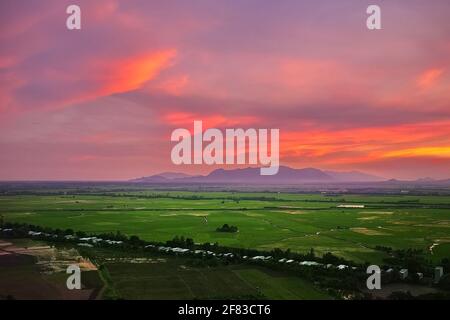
(265, 220)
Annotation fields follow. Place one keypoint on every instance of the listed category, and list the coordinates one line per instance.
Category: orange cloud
(440, 152)
(429, 78)
(100, 77)
(364, 145)
(131, 73)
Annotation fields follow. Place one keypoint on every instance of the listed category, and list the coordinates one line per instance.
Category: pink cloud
(429, 78)
(186, 120)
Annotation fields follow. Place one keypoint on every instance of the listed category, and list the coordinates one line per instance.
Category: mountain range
(285, 175)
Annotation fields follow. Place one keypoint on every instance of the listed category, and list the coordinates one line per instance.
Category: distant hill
(174, 175)
(253, 175)
(285, 175)
(353, 176)
(162, 177)
(151, 179)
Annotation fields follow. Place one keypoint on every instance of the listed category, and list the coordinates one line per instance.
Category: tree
(227, 228)
(189, 242)
(134, 240)
(80, 234)
(311, 255)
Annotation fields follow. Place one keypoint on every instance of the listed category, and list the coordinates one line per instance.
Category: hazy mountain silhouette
(354, 176)
(162, 177)
(285, 175)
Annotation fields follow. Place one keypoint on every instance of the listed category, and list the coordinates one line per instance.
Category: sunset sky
(100, 103)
